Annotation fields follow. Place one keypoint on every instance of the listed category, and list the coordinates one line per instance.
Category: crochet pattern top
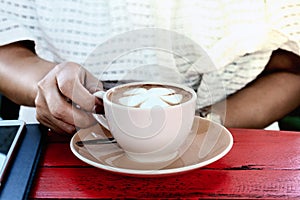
(238, 37)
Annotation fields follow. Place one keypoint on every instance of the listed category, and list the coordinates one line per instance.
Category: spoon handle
(81, 143)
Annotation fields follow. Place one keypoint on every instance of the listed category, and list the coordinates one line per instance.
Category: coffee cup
(149, 120)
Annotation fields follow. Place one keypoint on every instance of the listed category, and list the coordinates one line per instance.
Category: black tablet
(10, 135)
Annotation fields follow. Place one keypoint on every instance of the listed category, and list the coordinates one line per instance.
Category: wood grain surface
(261, 164)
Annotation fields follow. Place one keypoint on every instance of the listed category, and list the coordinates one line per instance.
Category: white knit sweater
(237, 38)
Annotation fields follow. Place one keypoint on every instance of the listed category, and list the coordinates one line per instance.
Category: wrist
(207, 113)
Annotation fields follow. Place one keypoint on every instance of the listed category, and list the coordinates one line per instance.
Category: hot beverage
(146, 134)
(149, 95)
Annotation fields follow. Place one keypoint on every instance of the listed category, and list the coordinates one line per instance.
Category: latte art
(148, 96)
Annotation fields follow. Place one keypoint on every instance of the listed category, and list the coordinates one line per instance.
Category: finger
(83, 119)
(44, 117)
(92, 83)
(51, 107)
(56, 106)
(57, 127)
(43, 114)
(63, 111)
(74, 89)
(51, 99)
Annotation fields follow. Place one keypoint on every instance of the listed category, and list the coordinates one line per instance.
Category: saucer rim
(156, 172)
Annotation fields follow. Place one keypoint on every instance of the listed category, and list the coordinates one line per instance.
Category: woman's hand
(64, 98)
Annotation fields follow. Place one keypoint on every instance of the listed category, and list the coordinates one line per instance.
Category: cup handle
(101, 117)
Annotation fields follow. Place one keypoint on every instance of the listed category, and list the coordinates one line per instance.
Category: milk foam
(143, 98)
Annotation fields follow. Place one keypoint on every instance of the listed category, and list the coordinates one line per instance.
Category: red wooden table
(261, 164)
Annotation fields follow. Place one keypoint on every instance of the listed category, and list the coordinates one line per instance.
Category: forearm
(20, 71)
(266, 100)
(274, 94)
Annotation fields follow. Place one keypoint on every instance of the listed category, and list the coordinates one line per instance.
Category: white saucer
(209, 142)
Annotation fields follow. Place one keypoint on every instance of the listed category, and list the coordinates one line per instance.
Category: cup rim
(186, 88)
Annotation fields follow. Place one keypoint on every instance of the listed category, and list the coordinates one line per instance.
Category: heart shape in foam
(148, 98)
